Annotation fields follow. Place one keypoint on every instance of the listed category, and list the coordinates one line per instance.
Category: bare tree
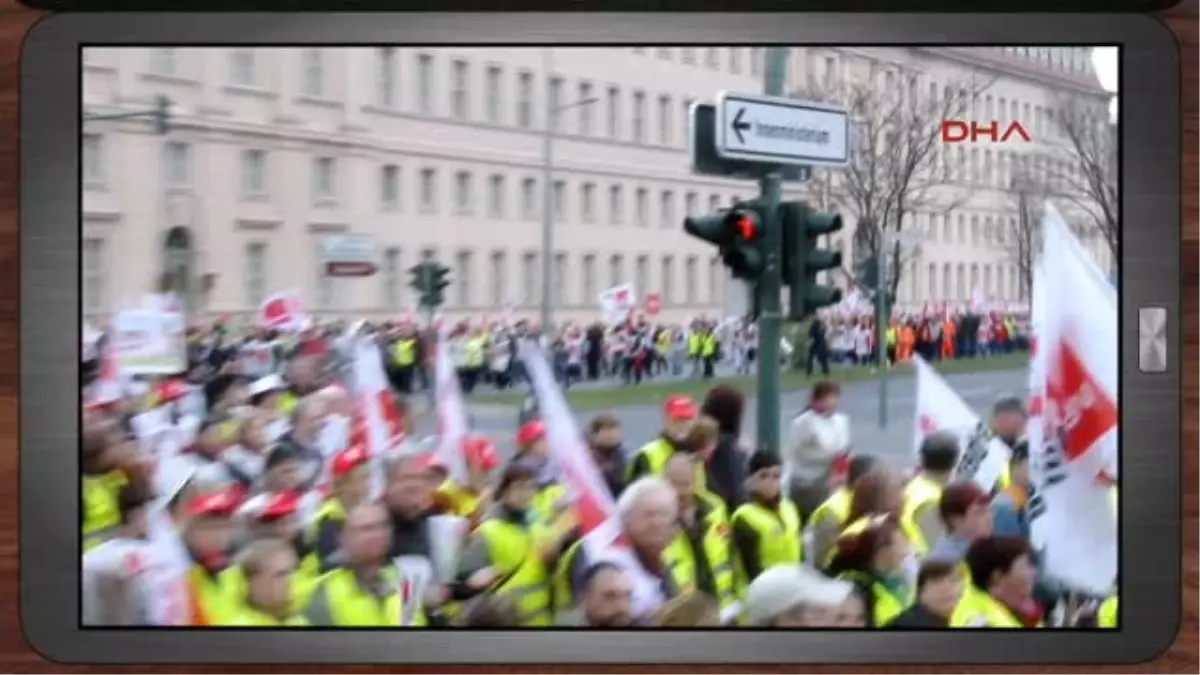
(1022, 241)
(1083, 170)
(898, 165)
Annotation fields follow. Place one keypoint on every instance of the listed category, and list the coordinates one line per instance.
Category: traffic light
(438, 284)
(803, 259)
(162, 115)
(737, 232)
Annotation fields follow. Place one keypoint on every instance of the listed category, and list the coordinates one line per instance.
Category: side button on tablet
(1152, 339)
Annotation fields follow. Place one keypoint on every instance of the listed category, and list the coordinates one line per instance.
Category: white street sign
(777, 130)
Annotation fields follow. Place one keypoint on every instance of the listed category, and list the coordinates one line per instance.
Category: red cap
(172, 390)
(279, 506)
(530, 432)
(222, 503)
(481, 452)
(680, 407)
(348, 460)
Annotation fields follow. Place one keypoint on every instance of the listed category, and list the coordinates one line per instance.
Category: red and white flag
(283, 311)
(594, 504)
(1073, 434)
(451, 413)
(377, 424)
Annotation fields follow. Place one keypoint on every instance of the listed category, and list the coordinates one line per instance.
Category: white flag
(451, 413)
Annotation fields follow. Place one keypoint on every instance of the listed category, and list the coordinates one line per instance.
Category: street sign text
(778, 130)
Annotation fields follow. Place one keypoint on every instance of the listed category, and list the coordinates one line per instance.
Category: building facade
(438, 154)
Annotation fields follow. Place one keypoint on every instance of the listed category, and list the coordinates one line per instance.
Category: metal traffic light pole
(881, 328)
(770, 284)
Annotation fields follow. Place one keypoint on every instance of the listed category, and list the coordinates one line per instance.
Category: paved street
(860, 400)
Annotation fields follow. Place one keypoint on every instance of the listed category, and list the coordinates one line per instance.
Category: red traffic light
(747, 226)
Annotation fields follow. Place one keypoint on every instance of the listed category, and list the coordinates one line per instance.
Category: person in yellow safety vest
(404, 360)
(474, 360)
(471, 499)
(830, 517)
(207, 535)
(710, 351)
(511, 554)
(1106, 616)
(1000, 594)
(940, 587)
(679, 416)
(766, 529)
(875, 561)
(891, 335)
(269, 566)
(351, 486)
(275, 517)
(551, 496)
(106, 449)
(302, 380)
(879, 493)
(701, 554)
(367, 591)
(695, 341)
(919, 513)
(663, 348)
(1008, 422)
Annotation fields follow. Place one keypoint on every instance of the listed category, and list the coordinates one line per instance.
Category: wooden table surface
(16, 656)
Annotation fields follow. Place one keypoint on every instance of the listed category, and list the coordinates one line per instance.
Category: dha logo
(970, 131)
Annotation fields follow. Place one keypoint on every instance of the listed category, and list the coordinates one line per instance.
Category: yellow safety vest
(1106, 616)
(474, 356)
(658, 452)
(288, 402)
(330, 509)
(404, 352)
(563, 595)
(252, 618)
(545, 502)
(977, 609)
(664, 342)
(709, 347)
(885, 605)
(101, 506)
(525, 578)
(779, 541)
(216, 600)
(919, 493)
(693, 345)
(681, 558)
(304, 581)
(463, 502)
(891, 337)
(351, 605)
(836, 507)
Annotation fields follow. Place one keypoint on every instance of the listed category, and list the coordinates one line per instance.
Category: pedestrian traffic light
(162, 115)
(737, 232)
(804, 259)
(438, 283)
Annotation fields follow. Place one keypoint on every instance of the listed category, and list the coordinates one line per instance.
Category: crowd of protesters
(242, 493)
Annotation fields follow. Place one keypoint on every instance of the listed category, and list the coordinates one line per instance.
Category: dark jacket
(727, 471)
(918, 617)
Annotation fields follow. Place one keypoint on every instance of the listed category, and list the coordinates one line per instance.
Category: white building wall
(259, 231)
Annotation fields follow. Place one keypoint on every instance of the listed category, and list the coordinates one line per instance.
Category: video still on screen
(626, 337)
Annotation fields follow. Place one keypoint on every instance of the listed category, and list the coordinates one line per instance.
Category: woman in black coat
(726, 468)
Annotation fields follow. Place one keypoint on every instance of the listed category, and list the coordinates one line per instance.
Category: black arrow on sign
(739, 126)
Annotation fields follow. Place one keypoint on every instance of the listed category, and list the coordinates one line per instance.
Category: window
(587, 204)
(642, 208)
(459, 105)
(385, 58)
(428, 189)
(525, 100)
(639, 117)
(756, 60)
(1001, 289)
(177, 161)
(961, 283)
(690, 282)
(498, 280)
(616, 271)
(561, 296)
(425, 83)
(92, 158)
(556, 101)
(664, 120)
(323, 282)
(314, 73)
(560, 201)
(668, 279)
(589, 278)
(714, 202)
(641, 274)
(254, 174)
(95, 275)
(947, 293)
(324, 185)
(496, 197)
(242, 71)
(712, 58)
(616, 205)
(974, 278)
(462, 279)
(975, 230)
(614, 112)
(389, 188)
(715, 276)
(495, 102)
(735, 60)
(686, 124)
(529, 279)
(664, 53)
(831, 79)
(667, 210)
(463, 199)
(390, 279)
(255, 274)
(688, 55)
(931, 282)
(529, 199)
(987, 280)
(962, 230)
(585, 108)
(164, 62)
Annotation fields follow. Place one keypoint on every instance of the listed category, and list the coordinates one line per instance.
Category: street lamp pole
(552, 114)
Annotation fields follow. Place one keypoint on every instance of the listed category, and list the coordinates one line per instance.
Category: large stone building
(437, 153)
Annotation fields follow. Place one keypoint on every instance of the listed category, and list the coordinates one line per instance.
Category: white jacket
(814, 442)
